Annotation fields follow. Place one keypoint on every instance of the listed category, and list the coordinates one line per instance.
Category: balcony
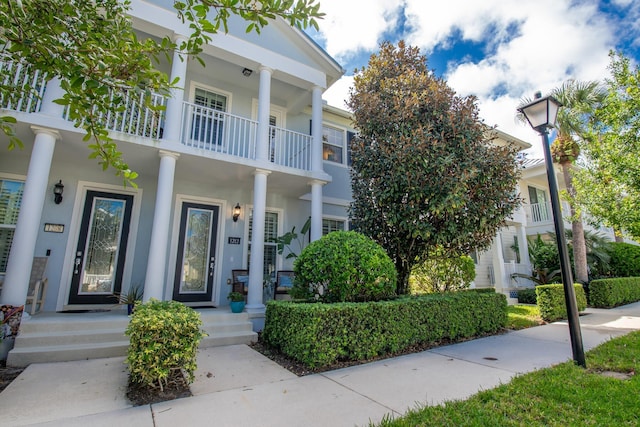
(200, 127)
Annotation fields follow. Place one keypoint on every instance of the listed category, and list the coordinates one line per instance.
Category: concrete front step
(59, 337)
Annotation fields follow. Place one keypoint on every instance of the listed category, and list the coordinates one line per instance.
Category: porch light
(57, 192)
(236, 212)
(541, 115)
(246, 72)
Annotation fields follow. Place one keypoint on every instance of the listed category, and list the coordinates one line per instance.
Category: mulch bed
(142, 394)
(7, 375)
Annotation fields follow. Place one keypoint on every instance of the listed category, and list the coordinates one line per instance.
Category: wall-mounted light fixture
(236, 212)
(246, 72)
(57, 192)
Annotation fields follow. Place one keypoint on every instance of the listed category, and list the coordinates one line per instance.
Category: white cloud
(554, 40)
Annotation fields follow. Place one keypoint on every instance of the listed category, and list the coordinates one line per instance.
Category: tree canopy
(91, 47)
(609, 183)
(425, 174)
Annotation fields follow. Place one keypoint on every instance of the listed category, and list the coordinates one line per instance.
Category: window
(329, 225)
(332, 144)
(208, 122)
(538, 204)
(270, 247)
(10, 201)
(474, 256)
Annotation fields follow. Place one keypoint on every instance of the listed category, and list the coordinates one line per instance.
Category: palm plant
(579, 100)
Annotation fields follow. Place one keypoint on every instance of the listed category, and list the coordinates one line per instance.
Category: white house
(244, 151)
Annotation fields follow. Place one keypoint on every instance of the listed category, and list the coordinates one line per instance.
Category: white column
(154, 280)
(316, 209)
(264, 107)
(316, 129)
(16, 282)
(498, 264)
(256, 261)
(523, 246)
(54, 91)
(173, 113)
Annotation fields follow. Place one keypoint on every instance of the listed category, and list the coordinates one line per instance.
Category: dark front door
(101, 249)
(195, 266)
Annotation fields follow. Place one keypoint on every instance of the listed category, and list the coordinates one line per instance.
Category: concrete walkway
(236, 386)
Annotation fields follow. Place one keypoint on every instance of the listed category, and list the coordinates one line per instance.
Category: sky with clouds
(497, 50)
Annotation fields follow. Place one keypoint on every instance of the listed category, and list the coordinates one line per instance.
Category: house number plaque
(234, 240)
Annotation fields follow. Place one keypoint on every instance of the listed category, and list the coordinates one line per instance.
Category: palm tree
(579, 99)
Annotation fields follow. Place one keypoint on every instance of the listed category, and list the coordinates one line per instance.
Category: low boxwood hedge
(607, 293)
(527, 296)
(551, 301)
(319, 334)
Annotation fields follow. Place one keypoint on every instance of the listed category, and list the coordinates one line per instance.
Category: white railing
(539, 212)
(134, 117)
(29, 87)
(289, 148)
(217, 131)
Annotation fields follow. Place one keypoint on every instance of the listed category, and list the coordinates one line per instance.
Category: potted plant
(236, 301)
(133, 295)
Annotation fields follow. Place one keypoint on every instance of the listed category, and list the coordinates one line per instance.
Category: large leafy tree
(609, 183)
(425, 177)
(91, 47)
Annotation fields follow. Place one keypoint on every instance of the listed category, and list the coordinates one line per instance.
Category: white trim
(74, 232)
(344, 143)
(337, 218)
(175, 237)
(280, 113)
(328, 200)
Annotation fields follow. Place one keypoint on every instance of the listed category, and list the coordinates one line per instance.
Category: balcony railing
(213, 130)
(29, 87)
(201, 127)
(539, 212)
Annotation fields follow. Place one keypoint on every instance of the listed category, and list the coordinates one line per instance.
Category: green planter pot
(237, 306)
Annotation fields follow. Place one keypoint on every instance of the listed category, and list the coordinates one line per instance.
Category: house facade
(244, 151)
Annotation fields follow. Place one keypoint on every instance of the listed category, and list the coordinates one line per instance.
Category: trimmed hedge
(607, 293)
(318, 334)
(625, 259)
(551, 301)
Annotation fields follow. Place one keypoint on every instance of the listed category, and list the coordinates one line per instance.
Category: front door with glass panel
(196, 262)
(101, 250)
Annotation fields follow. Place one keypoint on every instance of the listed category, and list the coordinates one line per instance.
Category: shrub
(552, 304)
(344, 266)
(319, 334)
(442, 274)
(607, 293)
(164, 337)
(527, 296)
(625, 260)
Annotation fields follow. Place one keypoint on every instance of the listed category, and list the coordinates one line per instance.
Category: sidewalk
(236, 386)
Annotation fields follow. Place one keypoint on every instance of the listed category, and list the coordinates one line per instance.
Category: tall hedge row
(607, 293)
(319, 334)
(552, 304)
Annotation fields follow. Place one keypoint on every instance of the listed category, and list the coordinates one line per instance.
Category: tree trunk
(579, 246)
(404, 271)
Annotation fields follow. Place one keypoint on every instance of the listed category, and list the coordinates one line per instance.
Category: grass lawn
(523, 316)
(563, 395)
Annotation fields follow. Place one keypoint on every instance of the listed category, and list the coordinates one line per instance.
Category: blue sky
(497, 50)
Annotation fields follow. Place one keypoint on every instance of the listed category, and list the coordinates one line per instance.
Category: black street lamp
(541, 114)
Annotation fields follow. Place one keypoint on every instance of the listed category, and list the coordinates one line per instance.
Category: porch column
(264, 107)
(54, 91)
(256, 260)
(16, 282)
(523, 246)
(316, 209)
(316, 162)
(157, 261)
(173, 112)
(498, 264)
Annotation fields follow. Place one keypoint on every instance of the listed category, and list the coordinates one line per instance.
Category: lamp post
(541, 114)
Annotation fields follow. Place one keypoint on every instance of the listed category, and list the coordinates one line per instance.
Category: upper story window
(333, 142)
(208, 123)
(10, 201)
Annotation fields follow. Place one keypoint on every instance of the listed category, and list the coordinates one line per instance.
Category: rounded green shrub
(163, 338)
(527, 296)
(344, 266)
